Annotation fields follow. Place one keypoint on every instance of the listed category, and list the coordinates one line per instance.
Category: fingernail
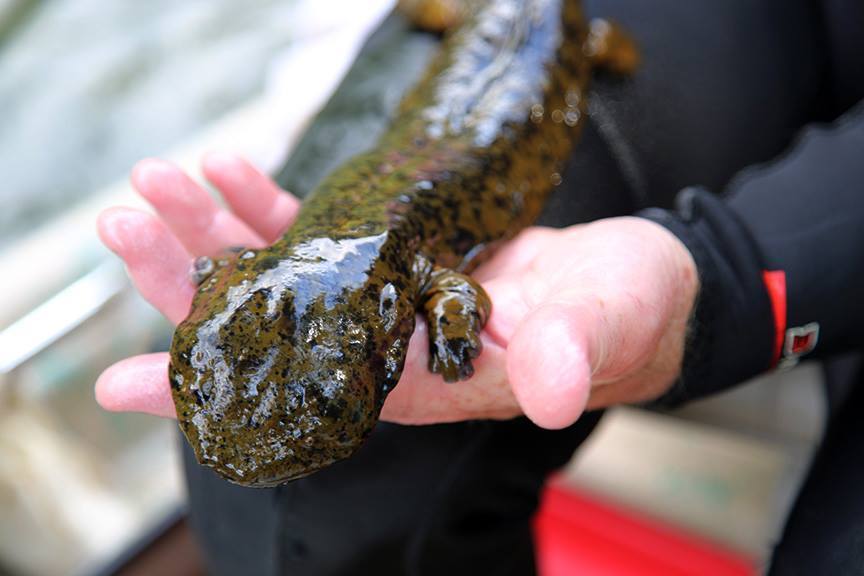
(144, 171)
(221, 158)
(117, 225)
(108, 224)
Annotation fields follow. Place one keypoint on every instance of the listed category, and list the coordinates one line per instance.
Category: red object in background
(577, 534)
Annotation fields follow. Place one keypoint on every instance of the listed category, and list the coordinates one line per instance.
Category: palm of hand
(589, 315)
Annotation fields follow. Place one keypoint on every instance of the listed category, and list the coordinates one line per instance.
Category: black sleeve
(780, 260)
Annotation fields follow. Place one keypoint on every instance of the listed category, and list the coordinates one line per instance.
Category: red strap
(775, 283)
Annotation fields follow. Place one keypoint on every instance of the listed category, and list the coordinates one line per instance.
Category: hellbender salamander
(285, 360)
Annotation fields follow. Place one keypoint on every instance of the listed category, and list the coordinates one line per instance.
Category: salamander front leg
(456, 309)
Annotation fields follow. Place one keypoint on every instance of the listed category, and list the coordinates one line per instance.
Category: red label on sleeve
(775, 284)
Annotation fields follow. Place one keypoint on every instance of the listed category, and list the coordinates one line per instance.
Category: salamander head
(279, 373)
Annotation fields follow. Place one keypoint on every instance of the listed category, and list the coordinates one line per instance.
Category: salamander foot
(456, 309)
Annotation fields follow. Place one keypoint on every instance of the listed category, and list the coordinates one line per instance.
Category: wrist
(730, 336)
(677, 276)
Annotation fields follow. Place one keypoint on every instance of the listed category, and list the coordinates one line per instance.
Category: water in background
(88, 87)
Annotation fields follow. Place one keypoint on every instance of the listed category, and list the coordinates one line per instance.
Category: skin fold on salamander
(285, 360)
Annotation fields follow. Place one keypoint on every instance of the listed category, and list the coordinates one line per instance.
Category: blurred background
(87, 88)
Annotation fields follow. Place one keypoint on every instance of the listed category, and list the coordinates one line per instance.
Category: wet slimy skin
(285, 360)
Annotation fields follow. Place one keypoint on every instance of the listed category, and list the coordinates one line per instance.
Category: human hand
(582, 317)
(587, 316)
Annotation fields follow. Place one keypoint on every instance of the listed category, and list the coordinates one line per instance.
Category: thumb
(549, 364)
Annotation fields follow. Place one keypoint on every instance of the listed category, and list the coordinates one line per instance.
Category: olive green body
(284, 362)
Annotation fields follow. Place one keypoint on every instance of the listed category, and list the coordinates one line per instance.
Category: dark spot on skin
(266, 263)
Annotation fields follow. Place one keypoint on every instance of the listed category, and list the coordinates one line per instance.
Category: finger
(577, 342)
(156, 261)
(549, 367)
(137, 384)
(517, 255)
(253, 197)
(510, 305)
(200, 224)
(511, 282)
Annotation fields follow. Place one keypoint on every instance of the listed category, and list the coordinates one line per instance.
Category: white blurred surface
(87, 87)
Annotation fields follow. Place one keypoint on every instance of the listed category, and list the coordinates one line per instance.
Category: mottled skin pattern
(284, 362)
